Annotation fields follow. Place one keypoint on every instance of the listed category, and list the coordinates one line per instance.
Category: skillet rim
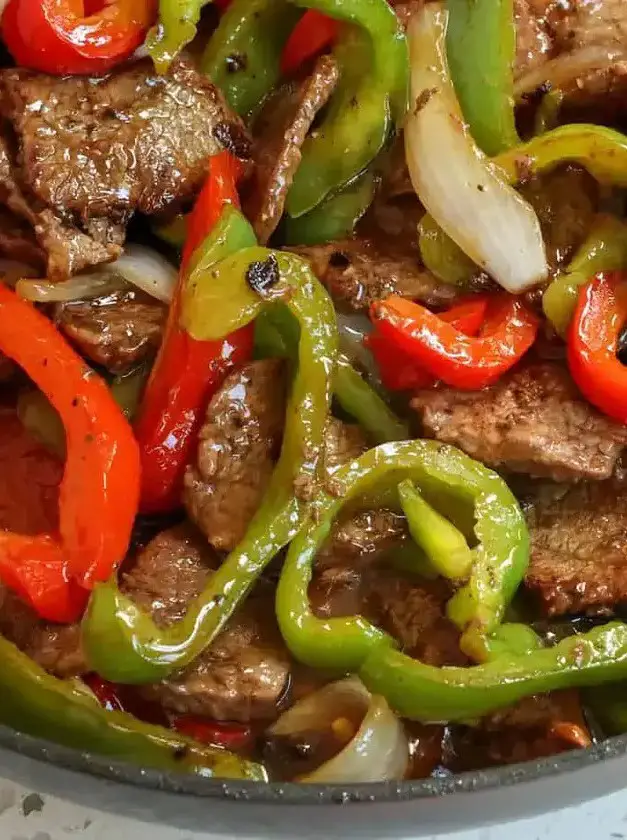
(291, 793)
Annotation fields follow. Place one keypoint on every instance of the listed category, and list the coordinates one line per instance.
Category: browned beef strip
(242, 676)
(579, 550)
(239, 444)
(244, 673)
(357, 272)
(58, 246)
(280, 132)
(91, 152)
(566, 201)
(532, 421)
(117, 331)
(17, 241)
(56, 647)
(548, 29)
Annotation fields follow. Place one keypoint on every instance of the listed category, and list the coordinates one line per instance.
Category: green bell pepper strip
(481, 48)
(177, 24)
(602, 151)
(441, 472)
(442, 256)
(443, 543)
(547, 115)
(422, 692)
(335, 218)
(276, 334)
(370, 99)
(605, 249)
(243, 56)
(122, 643)
(608, 704)
(63, 711)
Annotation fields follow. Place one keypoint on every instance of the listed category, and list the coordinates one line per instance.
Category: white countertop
(28, 814)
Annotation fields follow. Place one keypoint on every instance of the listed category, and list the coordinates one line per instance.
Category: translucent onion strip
(142, 267)
(379, 750)
(565, 70)
(454, 180)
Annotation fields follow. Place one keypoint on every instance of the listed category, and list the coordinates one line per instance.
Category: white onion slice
(80, 287)
(454, 180)
(140, 266)
(563, 71)
(379, 750)
(148, 270)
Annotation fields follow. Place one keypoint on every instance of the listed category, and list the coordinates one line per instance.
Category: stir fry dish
(313, 364)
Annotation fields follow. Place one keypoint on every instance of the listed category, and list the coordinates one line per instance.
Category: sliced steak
(244, 673)
(117, 331)
(239, 444)
(565, 201)
(357, 272)
(280, 132)
(559, 29)
(343, 443)
(91, 152)
(579, 550)
(56, 245)
(413, 610)
(533, 421)
(18, 242)
(55, 647)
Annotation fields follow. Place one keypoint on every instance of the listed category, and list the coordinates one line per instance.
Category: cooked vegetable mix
(313, 429)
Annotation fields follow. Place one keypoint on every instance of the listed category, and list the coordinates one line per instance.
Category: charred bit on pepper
(235, 62)
(262, 276)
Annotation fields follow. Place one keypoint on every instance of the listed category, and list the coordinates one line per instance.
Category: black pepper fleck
(262, 276)
(235, 62)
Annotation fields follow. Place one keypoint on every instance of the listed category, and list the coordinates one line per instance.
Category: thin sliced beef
(242, 676)
(17, 240)
(579, 550)
(239, 444)
(566, 201)
(533, 421)
(280, 132)
(91, 152)
(245, 672)
(343, 443)
(357, 272)
(117, 331)
(558, 29)
(56, 243)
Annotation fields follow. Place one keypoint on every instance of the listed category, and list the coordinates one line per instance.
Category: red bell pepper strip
(231, 736)
(313, 33)
(399, 371)
(61, 37)
(462, 361)
(99, 491)
(599, 318)
(187, 373)
(106, 693)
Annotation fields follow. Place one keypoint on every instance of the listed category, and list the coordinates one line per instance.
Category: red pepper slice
(106, 693)
(231, 736)
(61, 37)
(313, 33)
(461, 361)
(399, 371)
(187, 373)
(99, 491)
(593, 337)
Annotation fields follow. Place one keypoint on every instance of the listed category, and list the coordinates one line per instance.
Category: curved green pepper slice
(481, 48)
(243, 56)
(425, 693)
(177, 24)
(605, 249)
(336, 217)
(33, 702)
(442, 473)
(370, 98)
(122, 642)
